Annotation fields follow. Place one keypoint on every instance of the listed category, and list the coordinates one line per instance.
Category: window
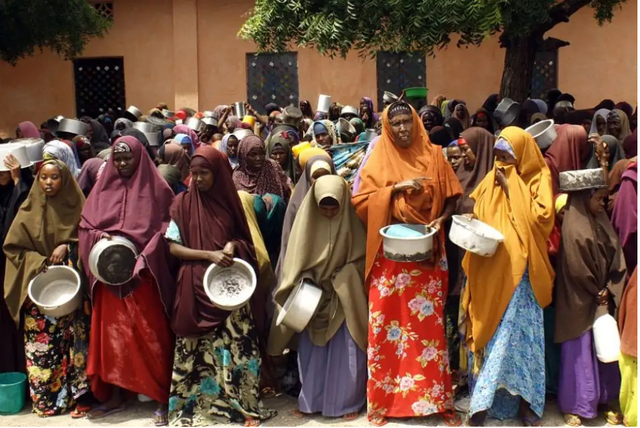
(545, 73)
(99, 85)
(398, 71)
(272, 78)
(104, 8)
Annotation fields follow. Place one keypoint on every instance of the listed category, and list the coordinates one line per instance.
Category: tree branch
(561, 12)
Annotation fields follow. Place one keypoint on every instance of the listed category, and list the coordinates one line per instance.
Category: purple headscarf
(29, 130)
(373, 118)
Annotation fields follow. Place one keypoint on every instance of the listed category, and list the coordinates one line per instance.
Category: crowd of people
(393, 339)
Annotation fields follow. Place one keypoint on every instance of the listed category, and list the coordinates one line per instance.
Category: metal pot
(239, 110)
(208, 113)
(300, 306)
(584, 179)
(153, 138)
(409, 249)
(98, 251)
(544, 132)
(507, 112)
(72, 126)
(19, 151)
(133, 113)
(146, 128)
(156, 121)
(34, 148)
(210, 121)
(194, 123)
(370, 135)
(230, 288)
(348, 110)
(292, 115)
(346, 129)
(475, 236)
(242, 133)
(390, 98)
(57, 291)
(324, 103)
(54, 123)
(168, 113)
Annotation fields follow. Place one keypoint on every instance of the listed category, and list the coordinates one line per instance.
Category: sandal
(351, 416)
(378, 420)
(105, 411)
(80, 411)
(161, 418)
(531, 421)
(298, 414)
(572, 420)
(451, 418)
(613, 418)
(251, 422)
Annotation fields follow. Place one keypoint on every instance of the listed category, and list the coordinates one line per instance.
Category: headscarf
(390, 164)
(139, 135)
(615, 150)
(463, 117)
(100, 139)
(441, 136)
(207, 222)
(625, 129)
(603, 113)
(184, 129)
(525, 219)
(42, 223)
(491, 103)
(136, 208)
(89, 175)
(569, 152)
(358, 124)
(625, 215)
(480, 141)
(542, 106)
(232, 123)
(331, 253)
(270, 179)
(625, 107)
(373, 117)
(29, 130)
(628, 317)
(122, 124)
(283, 139)
(305, 108)
(324, 126)
(271, 107)
(605, 104)
(439, 120)
(437, 101)
(630, 145)
(590, 259)
(185, 140)
(173, 154)
(57, 149)
(454, 126)
(482, 112)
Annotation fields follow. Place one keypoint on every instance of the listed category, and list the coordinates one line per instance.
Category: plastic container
(416, 93)
(12, 392)
(324, 103)
(606, 338)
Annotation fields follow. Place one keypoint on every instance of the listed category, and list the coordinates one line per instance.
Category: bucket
(324, 102)
(238, 109)
(12, 392)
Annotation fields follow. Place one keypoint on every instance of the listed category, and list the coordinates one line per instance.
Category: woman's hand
(501, 180)
(106, 236)
(59, 254)
(470, 216)
(230, 248)
(403, 186)
(603, 297)
(220, 258)
(436, 224)
(14, 166)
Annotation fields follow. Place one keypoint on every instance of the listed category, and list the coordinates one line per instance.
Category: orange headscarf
(525, 219)
(390, 164)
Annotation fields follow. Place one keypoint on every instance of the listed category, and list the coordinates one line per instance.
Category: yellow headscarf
(525, 219)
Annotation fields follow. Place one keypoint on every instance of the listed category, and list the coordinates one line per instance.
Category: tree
(64, 26)
(335, 27)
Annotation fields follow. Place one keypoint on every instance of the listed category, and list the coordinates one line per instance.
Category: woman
(454, 127)
(229, 147)
(89, 175)
(132, 200)
(121, 124)
(569, 152)
(97, 134)
(406, 180)
(14, 188)
(45, 232)
(279, 149)
(193, 135)
(491, 103)
(367, 113)
(216, 369)
(324, 134)
(625, 215)
(59, 150)
(358, 125)
(628, 323)
(173, 154)
(431, 116)
(503, 324)
(599, 122)
(84, 149)
(305, 108)
(172, 176)
(462, 114)
(591, 277)
(27, 130)
(618, 125)
(482, 119)
(328, 247)
(186, 143)
(257, 175)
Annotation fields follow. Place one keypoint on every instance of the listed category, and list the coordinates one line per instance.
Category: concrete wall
(186, 53)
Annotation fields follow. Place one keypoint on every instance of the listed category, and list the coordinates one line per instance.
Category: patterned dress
(56, 351)
(408, 363)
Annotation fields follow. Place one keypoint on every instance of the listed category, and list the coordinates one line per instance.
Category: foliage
(64, 26)
(335, 27)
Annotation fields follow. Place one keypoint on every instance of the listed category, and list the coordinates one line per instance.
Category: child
(454, 155)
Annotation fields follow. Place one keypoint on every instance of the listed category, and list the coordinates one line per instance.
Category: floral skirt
(216, 377)
(56, 351)
(407, 355)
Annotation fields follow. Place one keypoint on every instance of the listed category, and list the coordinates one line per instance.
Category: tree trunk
(518, 67)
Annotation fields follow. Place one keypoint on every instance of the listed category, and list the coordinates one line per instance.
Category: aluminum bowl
(57, 291)
(349, 110)
(133, 113)
(544, 132)
(99, 253)
(34, 147)
(230, 288)
(475, 236)
(584, 179)
(72, 126)
(300, 306)
(146, 128)
(507, 112)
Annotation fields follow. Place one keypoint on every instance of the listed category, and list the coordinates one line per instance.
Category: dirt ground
(140, 414)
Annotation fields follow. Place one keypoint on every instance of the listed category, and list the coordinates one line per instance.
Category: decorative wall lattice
(99, 85)
(272, 78)
(104, 8)
(397, 71)
(545, 73)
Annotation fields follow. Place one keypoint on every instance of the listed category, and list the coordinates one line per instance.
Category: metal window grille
(272, 78)
(400, 70)
(99, 85)
(545, 73)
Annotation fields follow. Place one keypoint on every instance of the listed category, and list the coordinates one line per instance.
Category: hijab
(184, 129)
(139, 135)
(605, 104)
(590, 259)
(491, 103)
(603, 113)
(463, 116)
(172, 176)
(625, 107)
(233, 160)
(122, 124)
(455, 127)
(439, 120)
(173, 154)
(390, 164)
(525, 219)
(615, 150)
(323, 126)
(29, 130)
(569, 152)
(270, 179)
(284, 140)
(373, 117)
(89, 175)
(42, 223)
(100, 138)
(624, 217)
(207, 222)
(628, 317)
(483, 112)
(57, 149)
(480, 141)
(625, 129)
(630, 145)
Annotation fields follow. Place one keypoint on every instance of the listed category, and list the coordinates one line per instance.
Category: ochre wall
(186, 53)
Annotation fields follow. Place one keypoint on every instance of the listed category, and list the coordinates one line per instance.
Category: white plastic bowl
(409, 249)
(217, 284)
(475, 236)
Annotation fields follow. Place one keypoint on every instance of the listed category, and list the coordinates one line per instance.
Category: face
(279, 155)
(324, 140)
(596, 203)
(186, 148)
(203, 178)
(50, 179)
(459, 110)
(349, 116)
(586, 124)
(467, 153)
(429, 120)
(601, 125)
(613, 123)
(364, 107)
(327, 210)
(5, 178)
(454, 155)
(255, 159)
(504, 157)
(124, 163)
(482, 121)
(85, 152)
(401, 127)
(232, 147)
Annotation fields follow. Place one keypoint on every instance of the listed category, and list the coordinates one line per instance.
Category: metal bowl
(54, 123)
(18, 150)
(475, 236)
(34, 148)
(210, 121)
(300, 306)
(153, 138)
(194, 123)
(408, 249)
(544, 132)
(146, 128)
(230, 288)
(72, 126)
(348, 110)
(133, 113)
(112, 261)
(507, 112)
(57, 291)
(584, 179)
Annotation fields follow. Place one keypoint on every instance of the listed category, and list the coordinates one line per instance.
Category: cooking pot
(208, 113)
(112, 261)
(238, 110)
(133, 113)
(300, 306)
(72, 126)
(346, 129)
(407, 242)
(475, 236)
(57, 291)
(390, 98)
(19, 151)
(146, 128)
(348, 110)
(370, 135)
(230, 288)
(34, 148)
(168, 113)
(158, 122)
(584, 179)
(544, 132)
(194, 123)
(242, 133)
(153, 138)
(54, 123)
(507, 112)
(210, 121)
(324, 103)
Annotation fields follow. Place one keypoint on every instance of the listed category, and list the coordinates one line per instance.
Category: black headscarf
(491, 103)
(139, 135)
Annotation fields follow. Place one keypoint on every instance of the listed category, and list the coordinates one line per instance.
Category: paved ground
(139, 414)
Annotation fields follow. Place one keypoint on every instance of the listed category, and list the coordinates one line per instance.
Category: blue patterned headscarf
(185, 140)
